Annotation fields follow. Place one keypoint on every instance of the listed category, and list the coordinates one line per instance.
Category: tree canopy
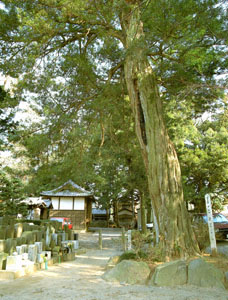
(79, 58)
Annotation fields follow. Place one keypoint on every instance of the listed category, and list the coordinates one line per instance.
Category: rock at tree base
(205, 274)
(128, 271)
(170, 274)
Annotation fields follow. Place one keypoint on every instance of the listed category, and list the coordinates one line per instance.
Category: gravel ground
(81, 279)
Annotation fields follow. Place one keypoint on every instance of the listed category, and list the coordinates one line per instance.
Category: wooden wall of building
(77, 217)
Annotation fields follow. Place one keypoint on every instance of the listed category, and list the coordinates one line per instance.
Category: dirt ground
(81, 279)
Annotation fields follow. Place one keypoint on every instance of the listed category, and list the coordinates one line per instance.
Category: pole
(129, 240)
(100, 239)
(210, 225)
(123, 239)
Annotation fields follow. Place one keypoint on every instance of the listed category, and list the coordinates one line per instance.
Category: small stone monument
(32, 252)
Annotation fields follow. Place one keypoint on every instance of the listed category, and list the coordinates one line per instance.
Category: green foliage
(127, 255)
(155, 254)
(69, 55)
(7, 113)
(139, 240)
(202, 149)
(11, 195)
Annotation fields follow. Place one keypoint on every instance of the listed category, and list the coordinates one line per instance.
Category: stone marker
(128, 271)
(2, 245)
(170, 274)
(10, 232)
(4, 220)
(39, 247)
(54, 237)
(32, 252)
(52, 244)
(129, 240)
(29, 237)
(24, 248)
(26, 227)
(204, 274)
(47, 237)
(37, 235)
(19, 250)
(2, 232)
(25, 256)
(71, 235)
(13, 262)
(21, 240)
(18, 230)
(43, 244)
(63, 234)
(3, 257)
(59, 239)
(75, 244)
(10, 246)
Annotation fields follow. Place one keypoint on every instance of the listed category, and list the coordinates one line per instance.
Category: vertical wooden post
(123, 239)
(129, 240)
(100, 239)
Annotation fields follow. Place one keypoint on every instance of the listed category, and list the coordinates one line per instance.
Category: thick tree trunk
(162, 166)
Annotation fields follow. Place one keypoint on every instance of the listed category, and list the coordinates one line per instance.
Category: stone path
(81, 280)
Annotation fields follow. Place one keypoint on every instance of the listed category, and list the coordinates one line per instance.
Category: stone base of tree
(128, 271)
(204, 274)
(197, 272)
(170, 274)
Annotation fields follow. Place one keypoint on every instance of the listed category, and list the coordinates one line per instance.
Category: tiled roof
(38, 202)
(79, 191)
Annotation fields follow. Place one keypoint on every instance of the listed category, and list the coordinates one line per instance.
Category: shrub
(127, 255)
(139, 239)
(155, 254)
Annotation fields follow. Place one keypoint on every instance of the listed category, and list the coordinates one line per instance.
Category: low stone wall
(30, 269)
(26, 247)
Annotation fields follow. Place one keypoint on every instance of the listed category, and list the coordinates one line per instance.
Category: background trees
(82, 52)
(7, 113)
(11, 194)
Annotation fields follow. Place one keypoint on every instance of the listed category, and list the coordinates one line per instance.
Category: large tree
(164, 49)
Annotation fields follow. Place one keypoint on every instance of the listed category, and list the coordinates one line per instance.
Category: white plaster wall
(66, 203)
(55, 202)
(79, 203)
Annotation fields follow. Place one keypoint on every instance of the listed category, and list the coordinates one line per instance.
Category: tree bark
(160, 159)
(143, 213)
